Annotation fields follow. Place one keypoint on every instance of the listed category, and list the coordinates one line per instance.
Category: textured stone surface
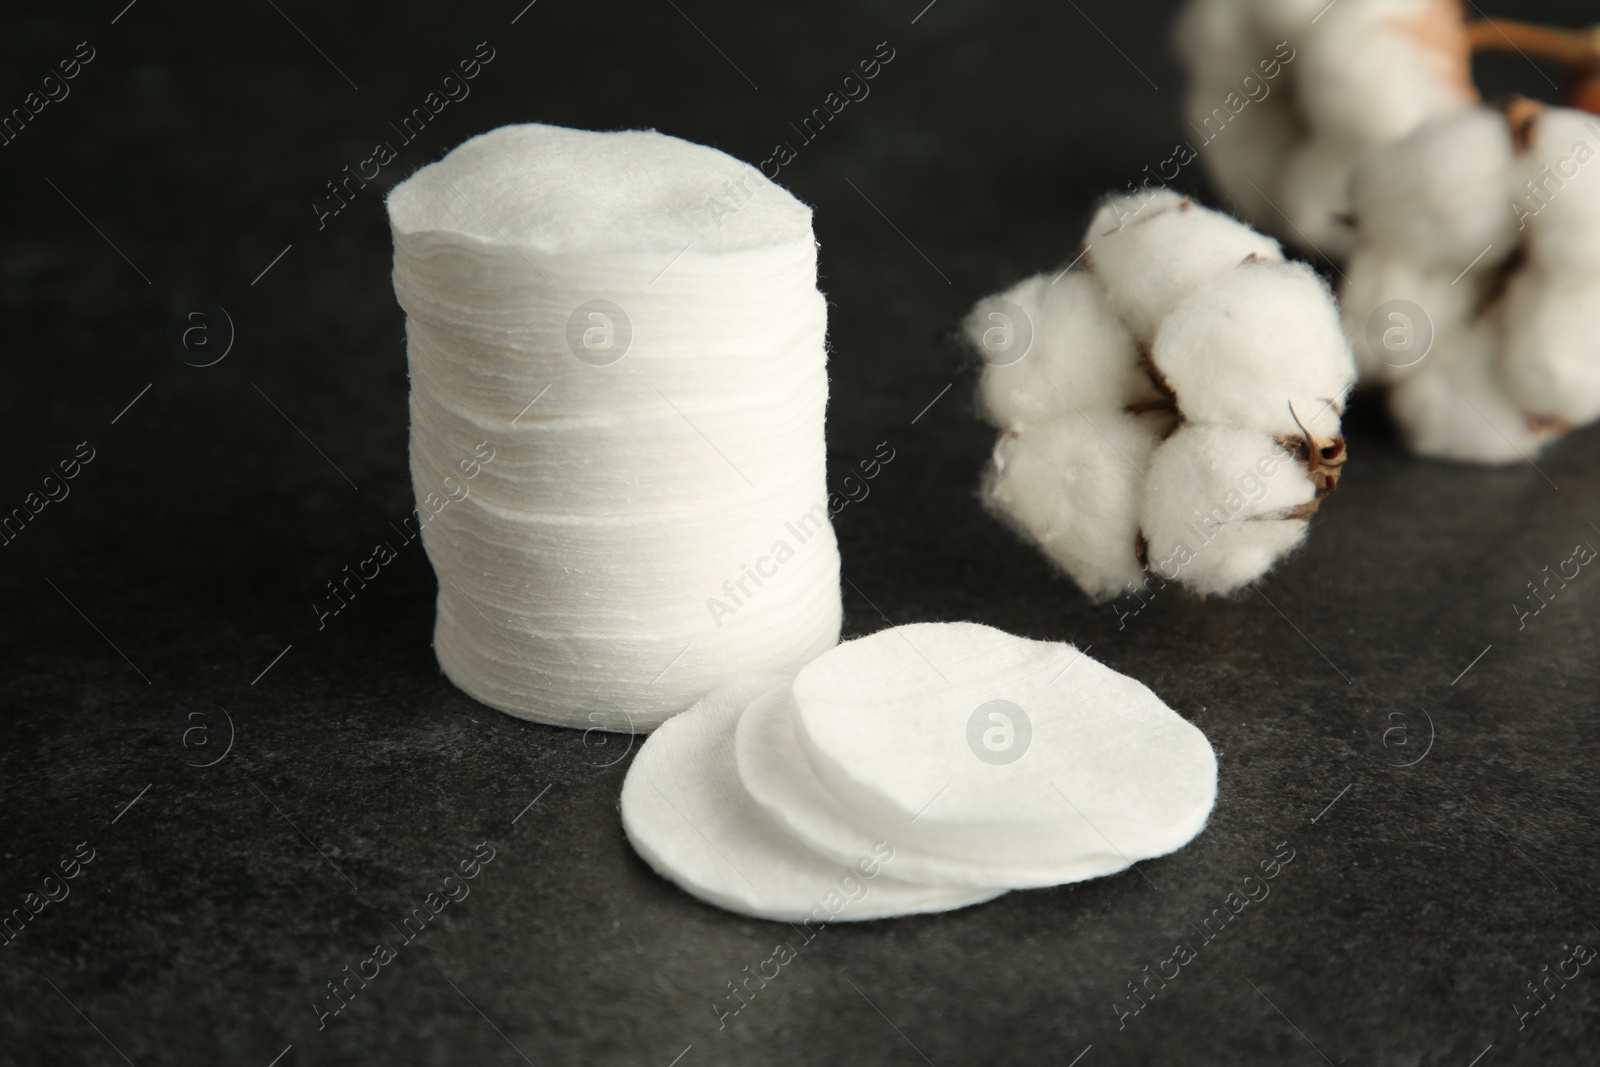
(216, 908)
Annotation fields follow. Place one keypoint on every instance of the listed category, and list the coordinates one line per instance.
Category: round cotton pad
(562, 191)
(688, 816)
(1023, 760)
(779, 779)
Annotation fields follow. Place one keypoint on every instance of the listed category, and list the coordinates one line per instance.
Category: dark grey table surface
(172, 591)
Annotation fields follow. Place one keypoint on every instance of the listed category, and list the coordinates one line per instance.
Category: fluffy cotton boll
(1438, 196)
(1373, 70)
(1119, 210)
(1312, 205)
(1216, 38)
(1254, 343)
(1280, 20)
(1551, 363)
(1390, 302)
(1074, 487)
(1153, 262)
(1223, 505)
(1561, 207)
(1245, 158)
(1455, 407)
(1067, 352)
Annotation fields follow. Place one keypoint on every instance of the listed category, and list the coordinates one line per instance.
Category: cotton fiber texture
(688, 816)
(1284, 96)
(923, 768)
(618, 380)
(1170, 411)
(1475, 291)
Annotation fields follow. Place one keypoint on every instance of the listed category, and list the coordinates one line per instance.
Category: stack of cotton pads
(922, 768)
(618, 381)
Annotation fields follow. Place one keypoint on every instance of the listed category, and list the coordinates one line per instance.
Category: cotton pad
(982, 757)
(618, 368)
(778, 776)
(687, 814)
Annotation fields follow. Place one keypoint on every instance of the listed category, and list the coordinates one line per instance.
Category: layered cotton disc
(687, 814)
(618, 370)
(982, 758)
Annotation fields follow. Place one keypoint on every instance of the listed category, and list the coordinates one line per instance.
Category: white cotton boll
(1456, 406)
(1438, 196)
(1119, 210)
(1375, 278)
(1313, 201)
(1551, 364)
(1558, 195)
(1067, 353)
(1073, 486)
(1284, 20)
(1158, 258)
(1221, 509)
(1215, 38)
(1246, 157)
(1372, 70)
(1254, 343)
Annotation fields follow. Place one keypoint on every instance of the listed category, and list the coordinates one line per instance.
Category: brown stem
(1574, 48)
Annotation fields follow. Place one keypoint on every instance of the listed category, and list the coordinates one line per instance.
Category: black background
(188, 554)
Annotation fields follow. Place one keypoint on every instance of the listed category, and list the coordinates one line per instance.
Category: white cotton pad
(563, 191)
(618, 370)
(687, 814)
(981, 757)
(778, 776)
(1260, 346)
(1220, 507)
(1151, 262)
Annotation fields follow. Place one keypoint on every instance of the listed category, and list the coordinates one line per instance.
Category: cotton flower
(1286, 95)
(1481, 231)
(1169, 411)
